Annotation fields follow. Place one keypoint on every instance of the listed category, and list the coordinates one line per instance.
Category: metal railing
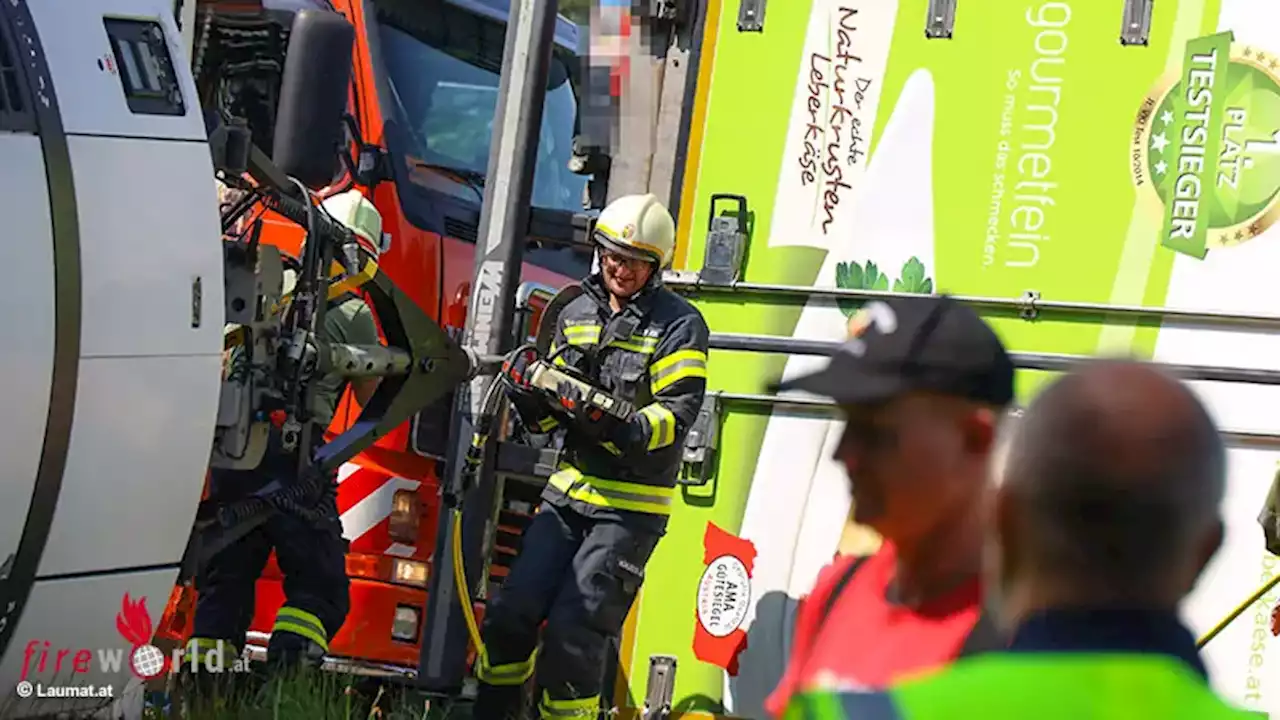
(1030, 304)
(1050, 362)
(775, 344)
(815, 405)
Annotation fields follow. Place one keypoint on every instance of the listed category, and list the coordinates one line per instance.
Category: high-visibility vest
(1044, 686)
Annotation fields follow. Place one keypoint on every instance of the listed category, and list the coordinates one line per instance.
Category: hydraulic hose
(475, 459)
(460, 581)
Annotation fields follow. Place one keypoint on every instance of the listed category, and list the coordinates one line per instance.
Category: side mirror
(313, 97)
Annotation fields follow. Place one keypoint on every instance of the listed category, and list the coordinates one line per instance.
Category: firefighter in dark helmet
(584, 553)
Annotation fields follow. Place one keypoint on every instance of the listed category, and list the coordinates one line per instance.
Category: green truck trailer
(1097, 176)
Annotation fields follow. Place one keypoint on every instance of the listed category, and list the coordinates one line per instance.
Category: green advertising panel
(1031, 154)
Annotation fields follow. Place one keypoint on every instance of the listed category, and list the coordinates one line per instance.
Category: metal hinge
(751, 16)
(197, 301)
(941, 20)
(1137, 22)
(1028, 308)
(661, 688)
(701, 443)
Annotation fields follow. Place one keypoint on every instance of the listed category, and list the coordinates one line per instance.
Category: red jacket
(848, 635)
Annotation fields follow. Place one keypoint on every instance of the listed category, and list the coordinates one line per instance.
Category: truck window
(461, 123)
(443, 79)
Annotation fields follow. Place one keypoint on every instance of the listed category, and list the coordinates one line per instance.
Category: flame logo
(133, 621)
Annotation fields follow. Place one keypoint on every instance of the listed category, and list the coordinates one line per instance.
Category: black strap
(829, 603)
(984, 637)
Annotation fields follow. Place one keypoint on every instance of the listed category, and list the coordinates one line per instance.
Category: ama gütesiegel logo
(1205, 152)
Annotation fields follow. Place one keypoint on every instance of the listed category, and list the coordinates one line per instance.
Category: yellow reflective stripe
(588, 707)
(677, 366)
(662, 425)
(637, 343)
(477, 440)
(516, 673)
(547, 423)
(611, 448)
(352, 283)
(614, 494)
(582, 334)
(558, 360)
(301, 622)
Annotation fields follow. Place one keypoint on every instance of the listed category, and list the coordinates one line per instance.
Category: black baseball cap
(903, 345)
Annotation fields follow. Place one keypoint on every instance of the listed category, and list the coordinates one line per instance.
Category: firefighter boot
(299, 640)
(501, 702)
(289, 652)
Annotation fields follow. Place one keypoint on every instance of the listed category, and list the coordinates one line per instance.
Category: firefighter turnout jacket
(652, 353)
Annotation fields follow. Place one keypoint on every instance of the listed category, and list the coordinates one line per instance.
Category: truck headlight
(409, 572)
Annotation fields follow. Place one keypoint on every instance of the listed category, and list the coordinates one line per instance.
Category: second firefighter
(584, 553)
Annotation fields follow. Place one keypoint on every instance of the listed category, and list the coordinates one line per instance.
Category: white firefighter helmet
(353, 209)
(638, 226)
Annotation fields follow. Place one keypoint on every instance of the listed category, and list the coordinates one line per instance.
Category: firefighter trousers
(580, 575)
(312, 559)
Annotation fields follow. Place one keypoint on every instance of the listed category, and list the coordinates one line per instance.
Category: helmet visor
(608, 243)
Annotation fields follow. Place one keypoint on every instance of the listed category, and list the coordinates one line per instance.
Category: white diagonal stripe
(346, 471)
(370, 511)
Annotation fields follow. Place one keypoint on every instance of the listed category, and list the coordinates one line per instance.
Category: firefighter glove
(517, 369)
(589, 418)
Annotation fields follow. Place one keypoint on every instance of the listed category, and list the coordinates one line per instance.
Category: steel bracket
(751, 15)
(661, 688)
(1136, 29)
(726, 244)
(701, 444)
(1027, 305)
(941, 20)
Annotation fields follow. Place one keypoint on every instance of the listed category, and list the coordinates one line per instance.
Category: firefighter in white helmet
(311, 553)
(583, 555)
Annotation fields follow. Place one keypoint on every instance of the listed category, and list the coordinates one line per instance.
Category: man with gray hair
(1107, 514)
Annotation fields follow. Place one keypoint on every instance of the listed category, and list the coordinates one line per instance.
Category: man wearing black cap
(922, 383)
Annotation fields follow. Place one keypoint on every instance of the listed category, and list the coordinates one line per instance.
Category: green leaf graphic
(850, 277)
(874, 279)
(913, 279)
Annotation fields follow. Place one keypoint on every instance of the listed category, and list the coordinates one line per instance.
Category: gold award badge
(1205, 154)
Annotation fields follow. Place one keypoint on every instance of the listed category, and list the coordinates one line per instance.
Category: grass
(314, 695)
